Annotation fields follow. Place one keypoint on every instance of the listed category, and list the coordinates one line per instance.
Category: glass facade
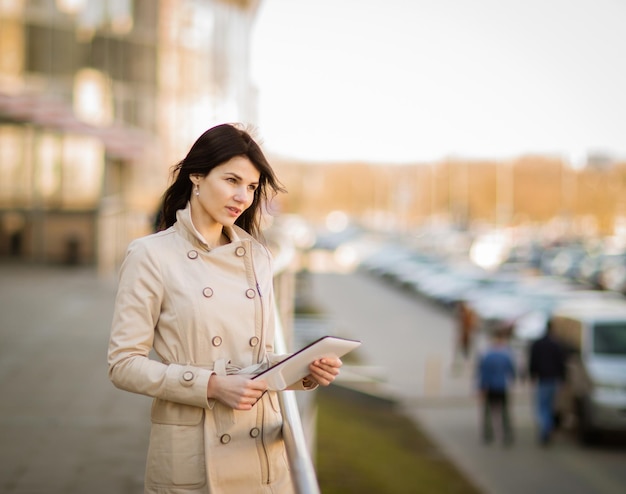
(98, 99)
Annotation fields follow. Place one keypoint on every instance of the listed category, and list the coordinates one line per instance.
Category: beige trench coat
(203, 311)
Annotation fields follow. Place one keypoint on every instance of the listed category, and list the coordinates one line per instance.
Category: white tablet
(296, 366)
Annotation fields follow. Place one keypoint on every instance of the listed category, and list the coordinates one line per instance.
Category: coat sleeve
(136, 314)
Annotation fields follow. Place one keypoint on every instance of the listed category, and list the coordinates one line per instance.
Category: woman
(199, 293)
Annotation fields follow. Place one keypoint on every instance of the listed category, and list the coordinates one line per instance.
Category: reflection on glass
(92, 97)
(11, 172)
(83, 167)
(48, 170)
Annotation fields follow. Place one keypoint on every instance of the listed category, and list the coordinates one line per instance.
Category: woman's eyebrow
(238, 177)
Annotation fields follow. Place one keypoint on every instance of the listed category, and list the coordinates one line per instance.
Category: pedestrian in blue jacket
(496, 371)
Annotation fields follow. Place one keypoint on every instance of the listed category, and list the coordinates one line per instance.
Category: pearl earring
(196, 190)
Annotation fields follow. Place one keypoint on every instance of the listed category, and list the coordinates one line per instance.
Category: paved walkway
(64, 428)
(411, 343)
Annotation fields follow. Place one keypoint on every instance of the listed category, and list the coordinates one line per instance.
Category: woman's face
(226, 192)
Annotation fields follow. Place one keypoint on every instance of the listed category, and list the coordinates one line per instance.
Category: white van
(594, 394)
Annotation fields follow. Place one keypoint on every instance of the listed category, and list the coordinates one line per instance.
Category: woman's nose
(242, 194)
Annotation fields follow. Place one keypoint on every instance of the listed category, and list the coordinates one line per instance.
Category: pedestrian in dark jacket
(496, 371)
(546, 368)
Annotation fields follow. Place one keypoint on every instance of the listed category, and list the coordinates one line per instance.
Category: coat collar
(185, 227)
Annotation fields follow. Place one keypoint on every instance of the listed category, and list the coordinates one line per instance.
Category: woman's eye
(252, 187)
(231, 180)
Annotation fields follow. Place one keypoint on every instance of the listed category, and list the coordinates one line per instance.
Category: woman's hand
(236, 391)
(324, 371)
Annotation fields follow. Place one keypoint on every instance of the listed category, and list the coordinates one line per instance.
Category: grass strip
(372, 449)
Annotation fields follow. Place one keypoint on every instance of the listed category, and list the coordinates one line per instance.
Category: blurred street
(66, 430)
(412, 343)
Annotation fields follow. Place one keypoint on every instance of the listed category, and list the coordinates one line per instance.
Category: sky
(424, 80)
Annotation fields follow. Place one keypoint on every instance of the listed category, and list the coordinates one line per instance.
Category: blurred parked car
(507, 300)
(589, 269)
(330, 240)
(595, 388)
(612, 274)
(385, 260)
(566, 260)
(450, 286)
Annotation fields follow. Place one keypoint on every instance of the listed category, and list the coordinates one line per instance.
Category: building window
(83, 168)
(15, 176)
(48, 174)
(92, 97)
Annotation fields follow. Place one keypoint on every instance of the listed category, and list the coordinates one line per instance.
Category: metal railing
(298, 452)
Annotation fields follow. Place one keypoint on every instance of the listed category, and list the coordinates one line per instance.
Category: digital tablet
(296, 366)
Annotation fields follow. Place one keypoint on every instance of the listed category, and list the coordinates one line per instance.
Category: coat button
(254, 341)
(192, 254)
(225, 439)
(207, 292)
(240, 251)
(217, 340)
(188, 376)
(254, 432)
(250, 293)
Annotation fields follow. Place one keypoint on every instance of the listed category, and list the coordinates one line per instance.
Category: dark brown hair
(216, 146)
